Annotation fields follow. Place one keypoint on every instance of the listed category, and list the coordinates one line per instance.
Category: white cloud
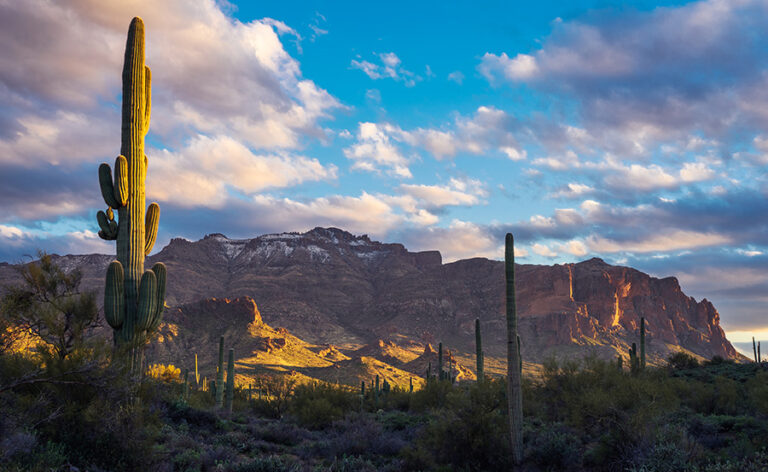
(466, 192)
(374, 150)
(460, 240)
(201, 173)
(520, 67)
(10, 233)
(364, 214)
(456, 76)
(211, 74)
(488, 129)
(574, 247)
(543, 250)
(573, 190)
(658, 242)
(390, 67)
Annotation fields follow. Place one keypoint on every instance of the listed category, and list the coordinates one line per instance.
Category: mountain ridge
(330, 287)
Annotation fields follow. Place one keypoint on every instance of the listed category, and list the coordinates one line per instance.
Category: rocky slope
(328, 286)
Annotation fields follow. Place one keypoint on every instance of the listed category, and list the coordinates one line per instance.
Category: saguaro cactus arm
(150, 227)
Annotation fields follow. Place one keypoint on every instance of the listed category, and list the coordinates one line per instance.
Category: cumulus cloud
(374, 150)
(213, 76)
(666, 241)
(16, 243)
(632, 97)
(465, 192)
(488, 130)
(459, 240)
(573, 190)
(202, 172)
(543, 250)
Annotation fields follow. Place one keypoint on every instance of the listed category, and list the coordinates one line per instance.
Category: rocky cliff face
(329, 286)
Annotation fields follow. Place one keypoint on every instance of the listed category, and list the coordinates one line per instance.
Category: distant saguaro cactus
(440, 374)
(634, 361)
(230, 380)
(133, 298)
(220, 375)
(642, 343)
(197, 373)
(514, 361)
(754, 348)
(479, 350)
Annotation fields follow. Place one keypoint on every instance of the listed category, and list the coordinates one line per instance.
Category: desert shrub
(351, 464)
(470, 432)
(317, 405)
(166, 373)
(267, 464)
(552, 446)
(433, 395)
(682, 360)
(359, 435)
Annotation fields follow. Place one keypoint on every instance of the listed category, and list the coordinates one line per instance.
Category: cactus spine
(479, 350)
(642, 343)
(133, 298)
(230, 379)
(220, 375)
(514, 387)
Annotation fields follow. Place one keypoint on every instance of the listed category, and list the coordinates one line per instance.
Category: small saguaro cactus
(220, 375)
(514, 374)
(362, 388)
(634, 361)
(133, 298)
(642, 343)
(479, 350)
(620, 362)
(230, 379)
(440, 361)
(429, 369)
(410, 384)
(197, 373)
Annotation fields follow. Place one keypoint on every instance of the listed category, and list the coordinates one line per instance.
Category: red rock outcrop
(329, 286)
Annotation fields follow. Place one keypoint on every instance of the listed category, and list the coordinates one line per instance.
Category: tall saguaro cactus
(514, 374)
(133, 298)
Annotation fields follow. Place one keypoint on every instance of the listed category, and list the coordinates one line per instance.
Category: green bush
(317, 405)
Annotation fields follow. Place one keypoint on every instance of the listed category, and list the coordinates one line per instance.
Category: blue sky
(632, 131)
